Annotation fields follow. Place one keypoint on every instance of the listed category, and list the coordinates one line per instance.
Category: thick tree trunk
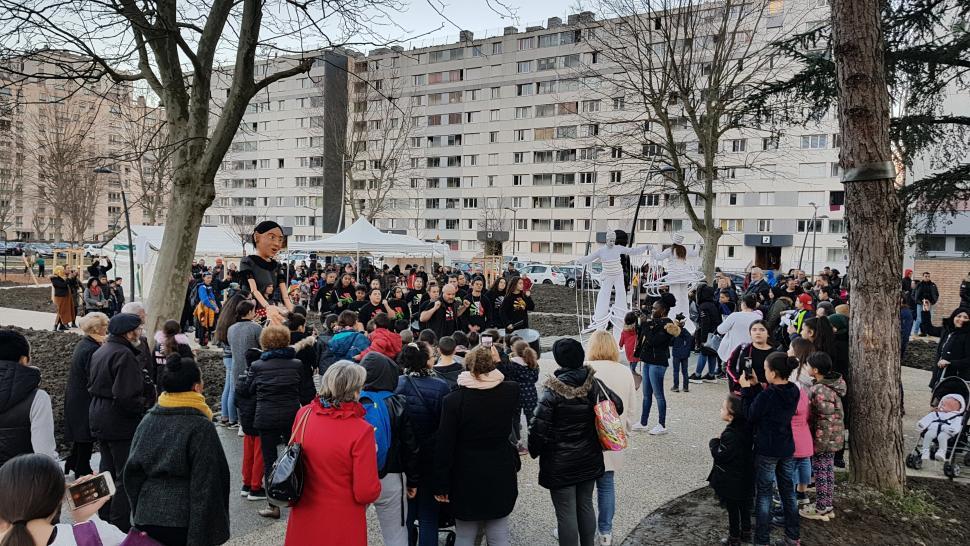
(875, 251)
(191, 196)
(709, 253)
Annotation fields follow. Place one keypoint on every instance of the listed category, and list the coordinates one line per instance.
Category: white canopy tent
(213, 242)
(362, 237)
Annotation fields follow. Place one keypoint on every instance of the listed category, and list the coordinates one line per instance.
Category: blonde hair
(342, 382)
(602, 346)
(274, 337)
(479, 361)
(93, 322)
(842, 309)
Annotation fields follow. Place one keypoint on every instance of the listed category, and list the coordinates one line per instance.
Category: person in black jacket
(77, 429)
(274, 380)
(770, 412)
(563, 436)
(117, 386)
(653, 349)
(475, 464)
(177, 477)
(926, 294)
(516, 305)
(424, 392)
(732, 476)
(708, 319)
(954, 348)
(305, 346)
(402, 453)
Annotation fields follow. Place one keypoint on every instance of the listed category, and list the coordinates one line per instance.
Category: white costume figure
(679, 277)
(611, 280)
(942, 424)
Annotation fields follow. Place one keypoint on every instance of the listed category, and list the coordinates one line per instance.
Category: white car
(543, 274)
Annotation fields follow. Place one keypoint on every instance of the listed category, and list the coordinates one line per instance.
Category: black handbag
(284, 485)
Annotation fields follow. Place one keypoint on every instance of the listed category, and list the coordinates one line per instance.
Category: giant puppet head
(610, 239)
(268, 239)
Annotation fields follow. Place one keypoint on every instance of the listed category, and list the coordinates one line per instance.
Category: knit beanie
(806, 300)
(568, 353)
(13, 345)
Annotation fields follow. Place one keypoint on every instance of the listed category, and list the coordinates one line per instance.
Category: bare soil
(551, 298)
(28, 299)
(52, 351)
(921, 354)
(932, 512)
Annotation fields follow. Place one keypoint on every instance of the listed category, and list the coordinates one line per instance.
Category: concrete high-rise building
(504, 133)
(53, 134)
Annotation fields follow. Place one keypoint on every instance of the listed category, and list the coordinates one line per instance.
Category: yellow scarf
(188, 399)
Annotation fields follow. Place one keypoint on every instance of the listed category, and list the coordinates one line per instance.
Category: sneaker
(244, 492)
(240, 433)
(270, 512)
(257, 495)
(555, 533)
(675, 389)
(639, 428)
(606, 540)
(694, 378)
(810, 512)
(658, 430)
(686, 388)
(709, 378)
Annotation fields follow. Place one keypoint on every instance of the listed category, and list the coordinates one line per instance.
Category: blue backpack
(379, 418)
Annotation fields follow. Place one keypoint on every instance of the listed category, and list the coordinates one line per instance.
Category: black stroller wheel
(917, 463)
(948, 471)
(909, 461)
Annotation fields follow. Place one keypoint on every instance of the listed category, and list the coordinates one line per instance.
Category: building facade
(506, 133)
(53, 134)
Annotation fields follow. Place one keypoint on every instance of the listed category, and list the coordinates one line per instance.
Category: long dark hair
(228, 316)
(824, 336)
(494, 289)
(33, 488)
(510, 289)
(171, 328)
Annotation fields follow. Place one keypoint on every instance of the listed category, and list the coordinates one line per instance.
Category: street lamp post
(514, 212)
(814, 234)
(801, 255)
(131, 247)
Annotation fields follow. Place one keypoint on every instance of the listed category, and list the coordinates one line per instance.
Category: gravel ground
(30, 299)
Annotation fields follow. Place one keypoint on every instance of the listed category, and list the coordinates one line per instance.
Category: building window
(523, 67)
(738, 144)
(647, 224)
(496, 48)
(523, 112)
(732, 225)
(837, 226)
(521, 135)
(651, 200)
(517, 179)
(814, 142)
(518, 157)
(526, 43)
(523, 90)
(836, 255)
(727, 251)
(615, 176)
(769, 143)
(809, 226)
(764, 226)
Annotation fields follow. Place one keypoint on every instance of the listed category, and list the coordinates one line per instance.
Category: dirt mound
(551, 298)
(930, 512)
(28, 299)
(921, 354)
(52, 351)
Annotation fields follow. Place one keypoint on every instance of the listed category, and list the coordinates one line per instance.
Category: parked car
(92, 249)
(545, 274)
(572, 273)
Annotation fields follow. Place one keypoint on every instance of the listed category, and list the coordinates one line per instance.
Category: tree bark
(709, 254)
(873, 213)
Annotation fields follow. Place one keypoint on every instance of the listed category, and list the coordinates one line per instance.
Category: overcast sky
(476, 16)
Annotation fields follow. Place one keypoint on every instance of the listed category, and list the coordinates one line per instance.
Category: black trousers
(114, 457)
(80, 459)
(268, 442)
(169, 536)
(739, 517)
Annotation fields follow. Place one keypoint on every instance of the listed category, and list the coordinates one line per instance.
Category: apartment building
(503, 133)
(109, 124)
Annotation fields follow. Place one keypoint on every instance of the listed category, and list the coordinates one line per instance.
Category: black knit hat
(13, 345)
(568, 353)
(122, 323)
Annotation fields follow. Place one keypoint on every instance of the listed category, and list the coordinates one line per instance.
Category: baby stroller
(959, 444)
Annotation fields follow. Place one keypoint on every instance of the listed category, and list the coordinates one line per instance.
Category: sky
(476, 16)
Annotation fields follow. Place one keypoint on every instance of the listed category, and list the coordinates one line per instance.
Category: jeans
(390, 510)
(497, 532)
(653, 385)
(605, 502)
(767, 470)
(680, 368)
(739, 517)
(229, 393)
(423, 508)
(575, 517)
(269, 440)
(802, 473)
(712, 362)
(114, 457)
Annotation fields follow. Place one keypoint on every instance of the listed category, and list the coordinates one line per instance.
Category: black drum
(529, 336)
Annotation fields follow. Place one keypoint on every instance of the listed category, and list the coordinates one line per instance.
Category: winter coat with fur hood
(563, 432)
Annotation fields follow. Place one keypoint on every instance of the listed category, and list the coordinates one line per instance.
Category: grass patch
(915, 503)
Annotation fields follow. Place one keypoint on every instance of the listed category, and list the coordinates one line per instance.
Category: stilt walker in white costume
(611, 281)
(680, 277)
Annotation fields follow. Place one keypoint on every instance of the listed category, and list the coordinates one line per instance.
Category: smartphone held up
(86, 491)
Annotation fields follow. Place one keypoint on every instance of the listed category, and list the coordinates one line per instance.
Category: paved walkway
(26, 319)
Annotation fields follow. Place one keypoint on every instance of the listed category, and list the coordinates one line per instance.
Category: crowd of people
(412, 393)
(73, 297)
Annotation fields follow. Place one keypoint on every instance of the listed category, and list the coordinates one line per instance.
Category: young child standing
(628, 342)
(828, 432)
(732, 476)
(680, 354)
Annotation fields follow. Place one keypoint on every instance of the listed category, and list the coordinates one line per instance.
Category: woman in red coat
(340, 457)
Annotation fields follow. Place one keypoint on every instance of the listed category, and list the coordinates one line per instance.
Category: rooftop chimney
(553, 22)
(510, 30)
(466, 36)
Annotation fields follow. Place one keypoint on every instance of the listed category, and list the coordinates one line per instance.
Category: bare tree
(11, 187)
(377, 159)
(146, 150)
(175, 47)
(65, 156)
(681, 69)
(8, 198)
(494, 219)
